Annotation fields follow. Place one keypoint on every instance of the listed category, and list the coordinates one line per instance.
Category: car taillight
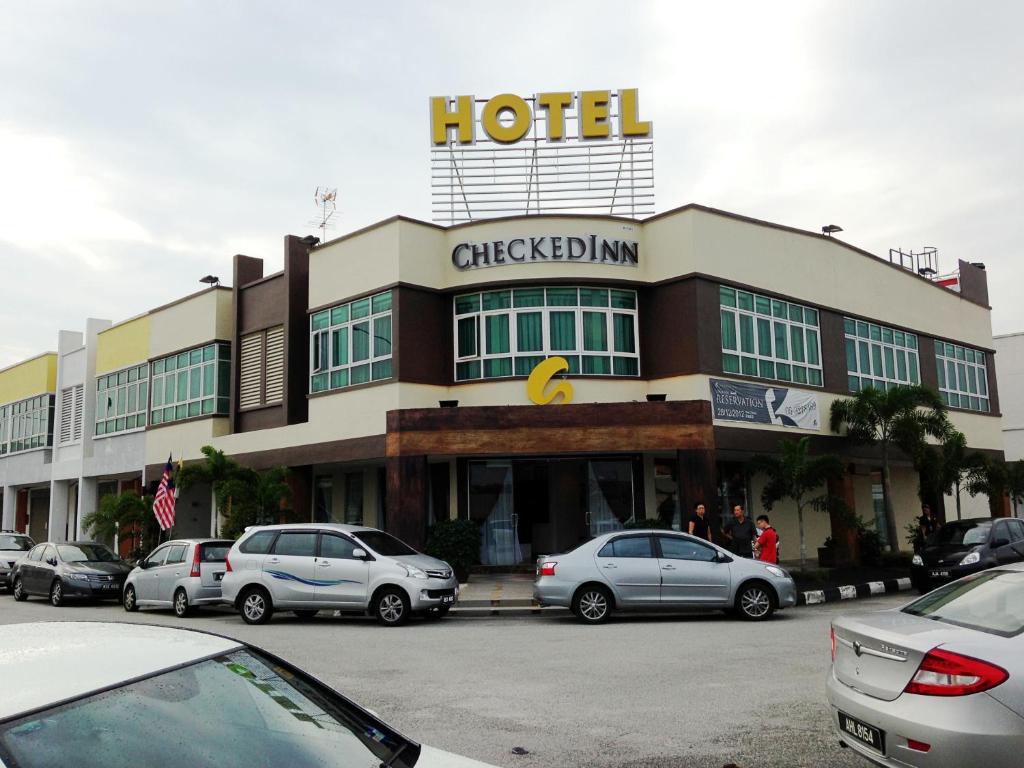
(944, 673)
(548, 569)
(227, 563)
(833, 633)
(195, 564)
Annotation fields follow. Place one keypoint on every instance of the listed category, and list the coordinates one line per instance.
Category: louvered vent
(76, 428)
(67, 407)
(251, 371)
(275, 365)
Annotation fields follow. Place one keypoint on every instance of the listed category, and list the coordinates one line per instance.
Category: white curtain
(602, 519)
(499, 536)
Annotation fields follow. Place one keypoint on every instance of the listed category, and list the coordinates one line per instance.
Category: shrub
(457, 542)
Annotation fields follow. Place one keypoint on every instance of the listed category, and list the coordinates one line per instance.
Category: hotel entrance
(531, 507)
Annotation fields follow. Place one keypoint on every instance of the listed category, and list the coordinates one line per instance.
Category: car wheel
(129, 601)
(392, 607)
(307, 613)
(257, 607)
(181, 606)
(755, 602)
(19, 590)
(57, 594)
(592, 604)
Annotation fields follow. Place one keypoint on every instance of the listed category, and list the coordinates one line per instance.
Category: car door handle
(668, 567)
(324, 564)
(611, 565)
(273, 560)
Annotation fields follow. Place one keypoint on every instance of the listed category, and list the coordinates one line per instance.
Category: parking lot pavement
(699, 692)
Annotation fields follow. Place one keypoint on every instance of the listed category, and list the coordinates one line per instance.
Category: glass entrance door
(491, 504)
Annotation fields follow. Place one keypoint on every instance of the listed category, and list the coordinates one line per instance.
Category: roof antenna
(326, 200)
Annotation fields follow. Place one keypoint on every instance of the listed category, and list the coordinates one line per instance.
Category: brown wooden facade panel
(532, 441)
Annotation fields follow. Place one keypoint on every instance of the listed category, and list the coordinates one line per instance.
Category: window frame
(221, 399)
(27, 424)
(545, 310)
(321, 342)
(862, 334)
(972, 365)
(107, 426)
(775, 321)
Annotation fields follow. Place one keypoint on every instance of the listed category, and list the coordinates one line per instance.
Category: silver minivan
(181, 574)
(305, 568)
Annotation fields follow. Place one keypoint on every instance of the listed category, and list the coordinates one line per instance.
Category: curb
(852, 591)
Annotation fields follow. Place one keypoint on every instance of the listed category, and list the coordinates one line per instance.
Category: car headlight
(971, 559)
(917, 560)
(777, 572)
(78, 576)
(414, 572)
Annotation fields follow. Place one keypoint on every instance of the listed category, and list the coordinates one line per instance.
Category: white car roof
(44, 663)
(311, 526)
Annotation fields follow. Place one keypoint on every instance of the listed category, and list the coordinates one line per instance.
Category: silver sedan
(938, 683)
(655, 570)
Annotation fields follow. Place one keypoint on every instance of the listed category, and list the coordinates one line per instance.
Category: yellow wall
(123, 345)
(31, 377)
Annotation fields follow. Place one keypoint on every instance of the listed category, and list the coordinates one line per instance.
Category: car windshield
(992, 601)
(86, 553)
(239, 710)
(10, 543)
(965, 533)
(384, 544)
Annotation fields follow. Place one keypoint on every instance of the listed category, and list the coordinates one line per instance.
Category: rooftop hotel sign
(508, 118)
(589, 249)
(552, 152)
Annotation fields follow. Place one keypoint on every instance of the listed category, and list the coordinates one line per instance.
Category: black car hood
(106, 569)
(947, 554)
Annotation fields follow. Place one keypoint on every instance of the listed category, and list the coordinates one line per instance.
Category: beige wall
(122, 345)
(817, 526)
(191, 322)
(183, 439)
(29, 378)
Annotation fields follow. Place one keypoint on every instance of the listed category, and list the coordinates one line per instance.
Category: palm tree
(797, 476)
(258, 498)
(901, 418)
(128, 516)
(997, 479)
(217, 471)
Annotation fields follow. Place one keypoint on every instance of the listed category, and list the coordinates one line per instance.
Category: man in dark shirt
(740, 532)
(699, 523)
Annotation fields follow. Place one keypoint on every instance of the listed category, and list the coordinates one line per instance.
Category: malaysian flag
(163, 502)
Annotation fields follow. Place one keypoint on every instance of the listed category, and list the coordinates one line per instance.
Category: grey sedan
(938, 683)
(655, 570)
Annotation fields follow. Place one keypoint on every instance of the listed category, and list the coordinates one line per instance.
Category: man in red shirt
(767, 547)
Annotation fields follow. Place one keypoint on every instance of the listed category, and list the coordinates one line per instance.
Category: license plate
(110, 586)
(447, 599)
(940, 574)
(218, 576)
(864, 733)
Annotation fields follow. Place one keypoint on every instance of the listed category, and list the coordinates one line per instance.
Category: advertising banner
(785, 407)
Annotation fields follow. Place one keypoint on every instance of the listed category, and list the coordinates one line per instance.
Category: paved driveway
(651, 692)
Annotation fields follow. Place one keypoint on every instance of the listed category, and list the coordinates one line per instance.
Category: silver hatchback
(181, 574)
(659, 570)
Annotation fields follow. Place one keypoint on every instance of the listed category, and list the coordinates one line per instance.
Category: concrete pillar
(697, 483)
(88, 502)
(844, 534)
(58, 510)
(10, 500)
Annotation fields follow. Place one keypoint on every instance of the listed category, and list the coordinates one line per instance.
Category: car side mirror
(1000, 542)
(143, 564)
(722, 558)
(359, 554)
(51, 560)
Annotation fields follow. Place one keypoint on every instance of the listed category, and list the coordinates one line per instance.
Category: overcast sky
(143, 144)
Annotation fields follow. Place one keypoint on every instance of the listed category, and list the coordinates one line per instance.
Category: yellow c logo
(541, 375)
